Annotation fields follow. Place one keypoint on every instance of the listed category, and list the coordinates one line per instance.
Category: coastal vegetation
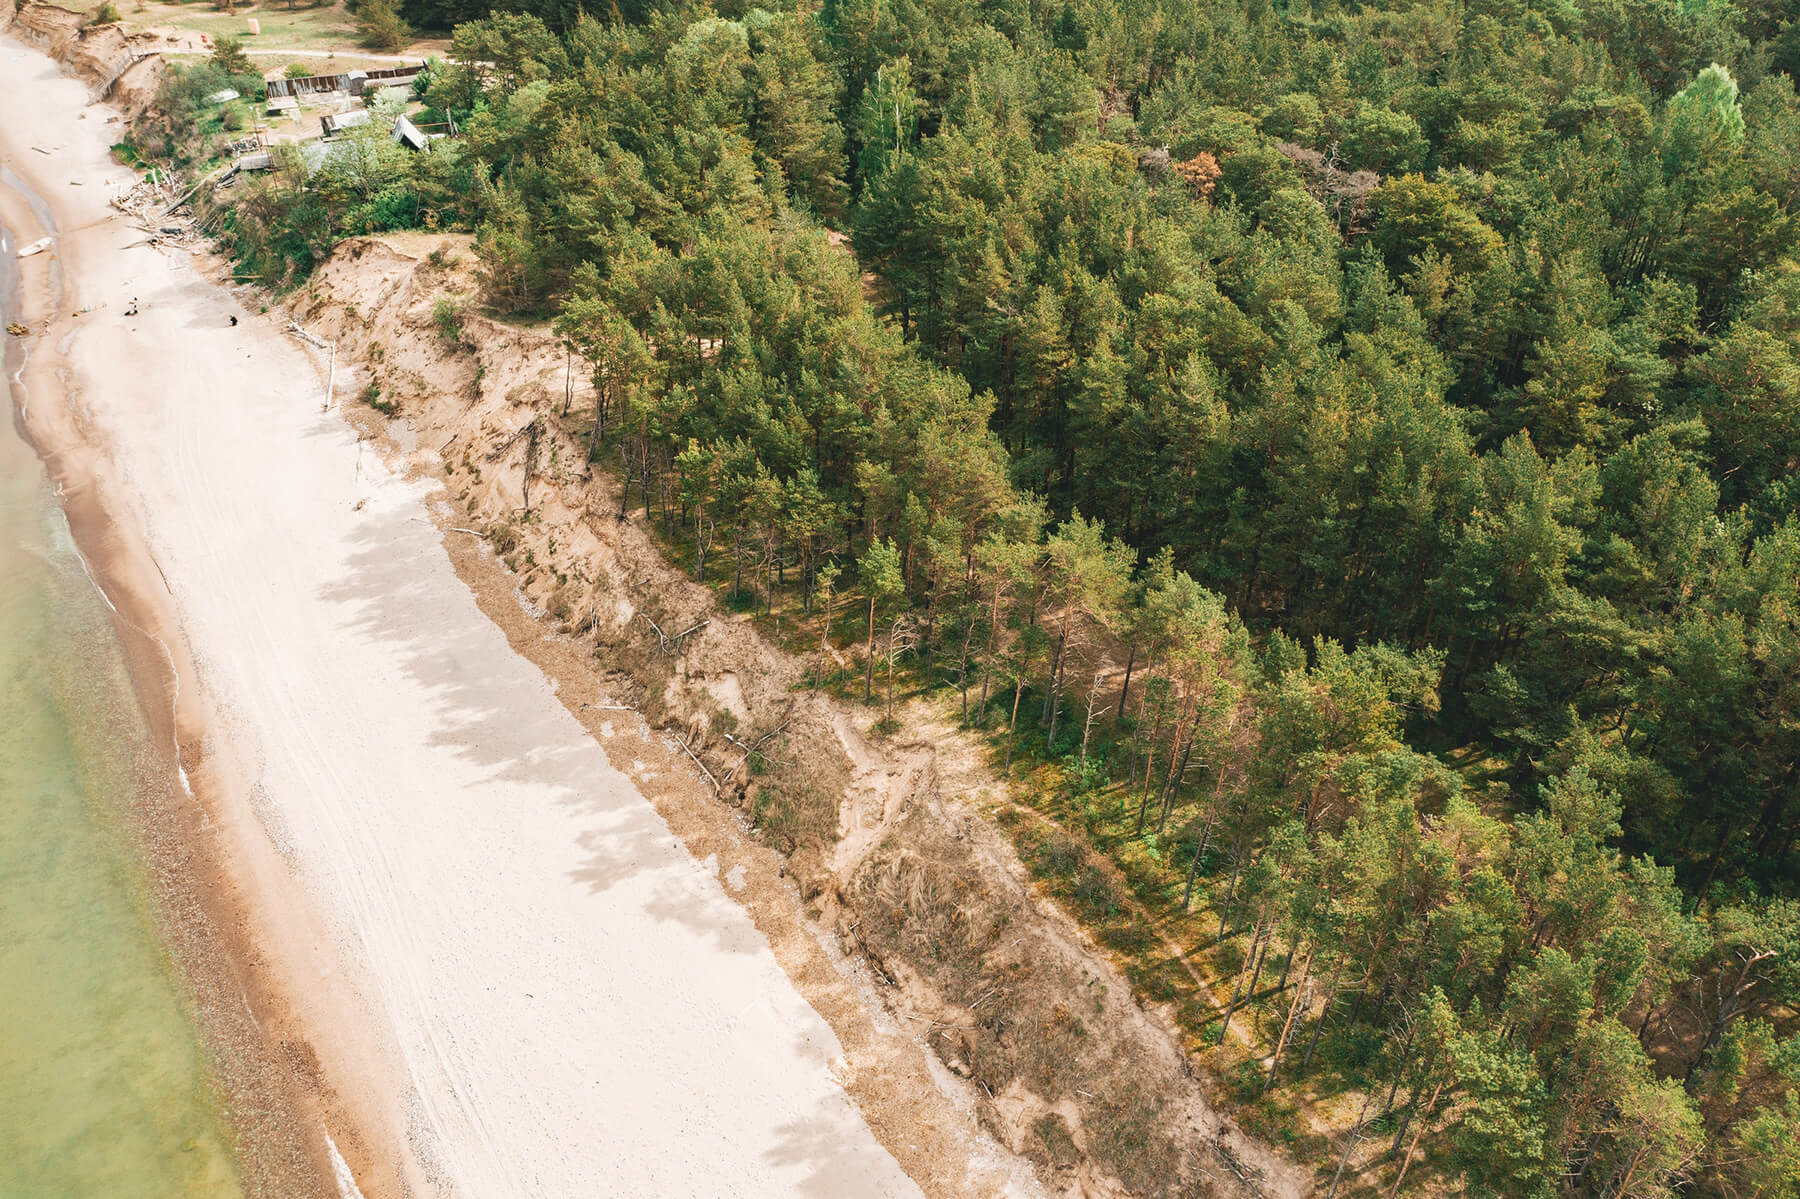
(1346, 455)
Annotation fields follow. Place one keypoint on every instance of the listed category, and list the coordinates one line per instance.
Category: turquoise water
(103, 1083)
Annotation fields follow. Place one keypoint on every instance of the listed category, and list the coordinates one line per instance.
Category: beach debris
(141, 197)
(671, 644)
(36, 247)
(307, 336)
(16, 329)
(682, 741)
(158, 205)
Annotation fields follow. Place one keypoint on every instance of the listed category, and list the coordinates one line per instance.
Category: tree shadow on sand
(838, 1162)
(493, 708)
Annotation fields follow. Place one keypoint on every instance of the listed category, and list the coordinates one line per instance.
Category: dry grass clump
(1126, 1130)
(794, 790)
(1085, 880)
(931, 916)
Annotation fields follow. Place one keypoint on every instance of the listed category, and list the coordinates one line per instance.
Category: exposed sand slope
(564, 1001)
(893, 840)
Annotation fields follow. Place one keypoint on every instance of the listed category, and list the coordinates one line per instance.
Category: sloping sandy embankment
(517, 980)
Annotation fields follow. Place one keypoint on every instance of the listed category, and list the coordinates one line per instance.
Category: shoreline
(384, 585)
(284, 1146)
(235, 847)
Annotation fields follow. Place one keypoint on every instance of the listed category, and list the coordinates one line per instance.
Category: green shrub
(180, 120)
(1060, 856)
(228, 54)
(393, 207)
(1095, 894)
(372, 397)
(447, 315)
(382, 26)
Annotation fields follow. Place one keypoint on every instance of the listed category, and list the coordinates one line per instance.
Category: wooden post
(330, 378)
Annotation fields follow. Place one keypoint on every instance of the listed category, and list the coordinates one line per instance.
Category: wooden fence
(317, 84)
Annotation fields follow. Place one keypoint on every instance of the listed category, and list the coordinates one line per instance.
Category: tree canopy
(1381, 420)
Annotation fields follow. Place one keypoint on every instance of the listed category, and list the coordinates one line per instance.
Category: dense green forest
(1367, 433)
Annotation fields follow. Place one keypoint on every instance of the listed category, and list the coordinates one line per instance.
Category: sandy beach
(516, 979)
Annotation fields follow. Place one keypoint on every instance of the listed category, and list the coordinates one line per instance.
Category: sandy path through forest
(560, 999)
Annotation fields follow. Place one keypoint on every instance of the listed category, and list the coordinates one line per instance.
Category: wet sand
(105, 1087)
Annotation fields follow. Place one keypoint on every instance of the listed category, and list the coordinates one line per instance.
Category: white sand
(564, 1001)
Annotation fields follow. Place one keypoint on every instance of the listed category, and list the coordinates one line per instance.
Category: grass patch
(318, 27)
(793, 815)
(373, 398)
(1055, 1141)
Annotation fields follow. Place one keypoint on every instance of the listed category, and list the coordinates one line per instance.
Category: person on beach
(233, 322)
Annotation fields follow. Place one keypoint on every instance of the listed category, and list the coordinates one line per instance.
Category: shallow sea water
(104, 1088)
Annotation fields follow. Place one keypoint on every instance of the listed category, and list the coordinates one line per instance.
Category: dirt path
(347, 52)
